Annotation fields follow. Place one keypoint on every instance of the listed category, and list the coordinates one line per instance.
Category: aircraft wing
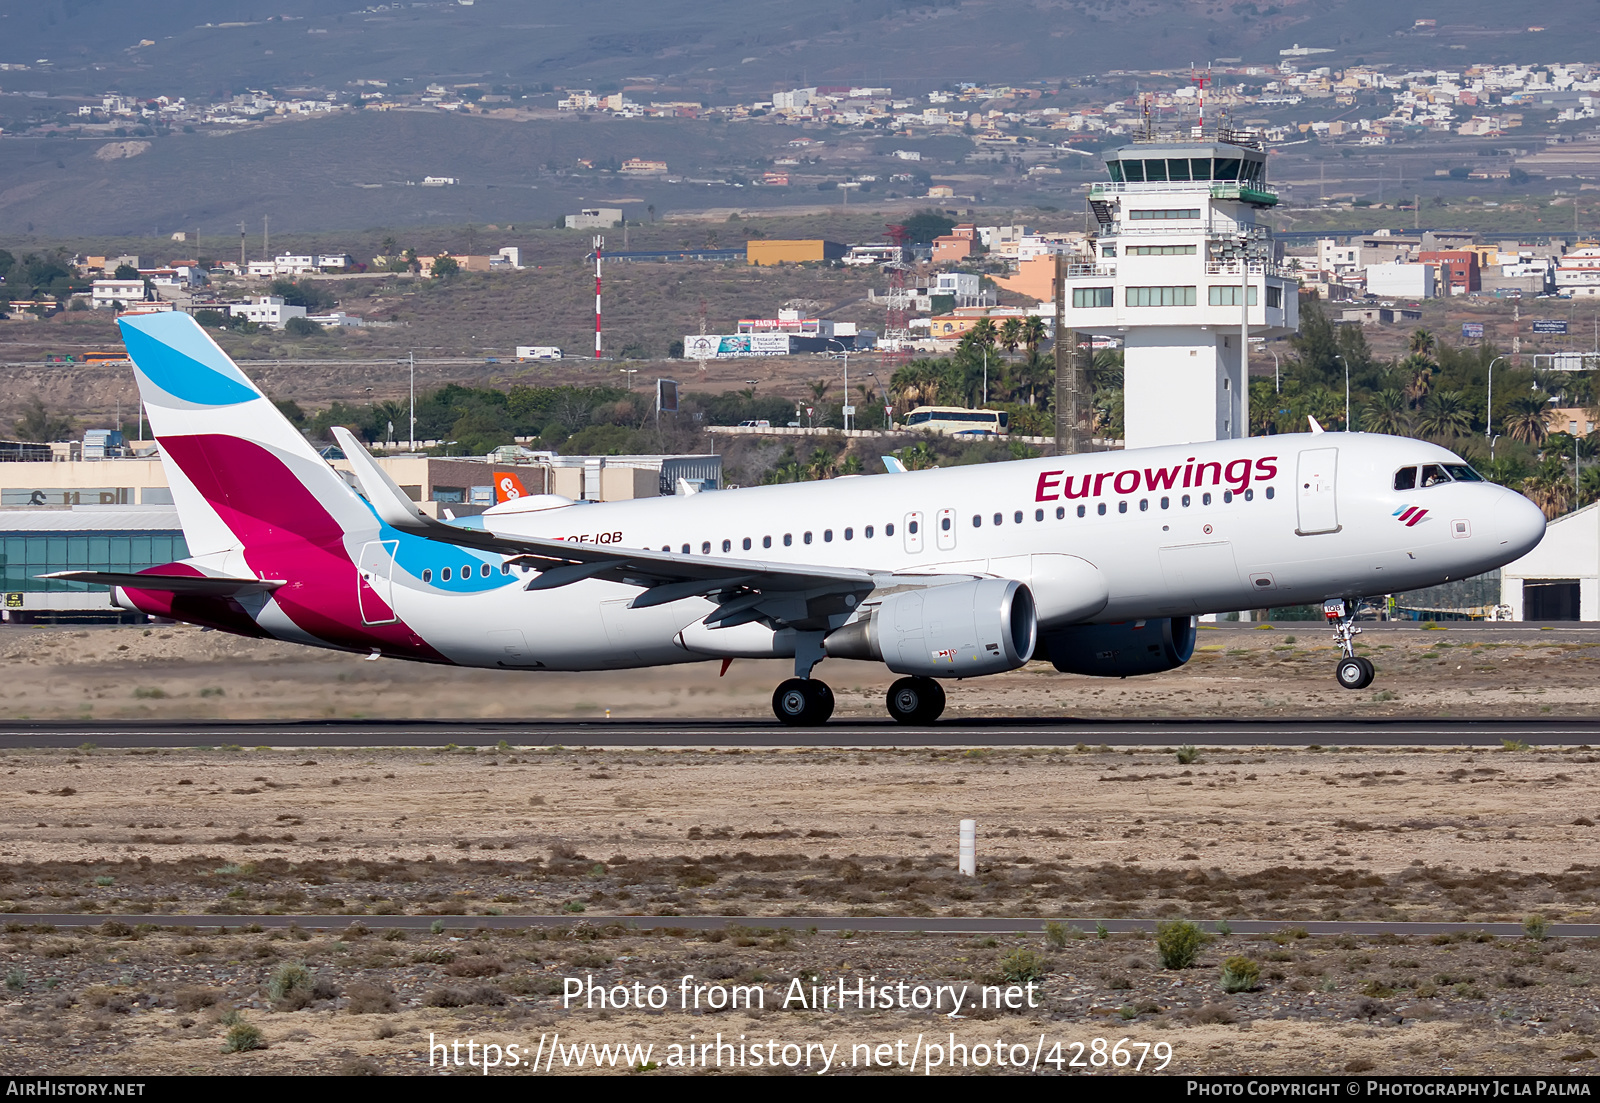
(210, 585)
(795, 595)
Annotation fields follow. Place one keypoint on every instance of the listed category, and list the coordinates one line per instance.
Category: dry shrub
(359, 1066)
(368, 998)
(1212, 1013)
(195, 997)
(446, 997)
(478, 965)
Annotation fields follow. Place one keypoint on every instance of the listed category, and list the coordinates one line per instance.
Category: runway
(963, 925)
(638, 734)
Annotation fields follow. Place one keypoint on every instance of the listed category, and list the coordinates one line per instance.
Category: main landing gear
(804, 702)
(916, 700)
(1352, 671)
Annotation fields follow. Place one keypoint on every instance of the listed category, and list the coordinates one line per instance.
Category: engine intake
(960, 630)
(1120, 650)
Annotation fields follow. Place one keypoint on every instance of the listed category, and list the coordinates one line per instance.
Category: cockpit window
(1461, 473)
(1405, 479)
(1433, 475)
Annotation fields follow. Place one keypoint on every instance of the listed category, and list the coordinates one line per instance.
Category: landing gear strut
(1352, 671)
(803, 702)
(916, 700)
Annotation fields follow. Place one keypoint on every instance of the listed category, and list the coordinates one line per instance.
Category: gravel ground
(1290, 835)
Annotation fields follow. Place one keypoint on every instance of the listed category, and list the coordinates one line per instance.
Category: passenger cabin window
(686, 549)
(766, 541)
(427, 575)
(727, 545)
(1405, 479)
(888, 530)
(807, 538)
(977, 520)
(705, 547)
(746, 544)
(867, 532)
(1081, 511)
(444, 575)
(788, 539)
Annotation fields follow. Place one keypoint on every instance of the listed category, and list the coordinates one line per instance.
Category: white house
(1559, 579)
(267, 310)
(107, 293)
(1406, 281)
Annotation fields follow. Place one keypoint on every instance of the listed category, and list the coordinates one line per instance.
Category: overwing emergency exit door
(1316, 500)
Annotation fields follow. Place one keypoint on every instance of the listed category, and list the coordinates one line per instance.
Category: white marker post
(969, 847)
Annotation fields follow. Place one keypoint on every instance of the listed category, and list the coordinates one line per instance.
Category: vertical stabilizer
(239, 472)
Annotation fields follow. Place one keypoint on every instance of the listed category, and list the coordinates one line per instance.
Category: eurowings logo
(1409, 515)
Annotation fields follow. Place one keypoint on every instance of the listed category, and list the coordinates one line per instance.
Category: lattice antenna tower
(895, 346)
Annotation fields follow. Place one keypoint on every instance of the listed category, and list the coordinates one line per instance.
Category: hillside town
(1375, 105)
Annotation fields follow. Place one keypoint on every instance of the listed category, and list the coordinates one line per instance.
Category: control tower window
(1155, 171)
(1177, 168)
(1200, 168)
(1116, 171)
(1134, 171)
(1227, 168)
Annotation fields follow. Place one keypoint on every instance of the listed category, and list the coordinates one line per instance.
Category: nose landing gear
(1352, 671)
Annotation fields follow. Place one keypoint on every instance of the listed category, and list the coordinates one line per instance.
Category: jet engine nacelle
(960, 630)
(1120, 650)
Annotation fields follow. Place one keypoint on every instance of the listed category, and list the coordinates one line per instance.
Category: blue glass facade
(25, 555)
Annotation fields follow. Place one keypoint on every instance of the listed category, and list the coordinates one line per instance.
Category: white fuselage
(1173, 531)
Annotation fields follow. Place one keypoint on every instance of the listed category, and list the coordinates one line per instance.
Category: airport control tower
(1181, 271)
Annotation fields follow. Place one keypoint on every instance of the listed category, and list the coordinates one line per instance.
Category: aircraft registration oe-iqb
(1098, 563)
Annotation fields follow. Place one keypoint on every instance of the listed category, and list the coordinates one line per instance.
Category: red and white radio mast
(599, 244)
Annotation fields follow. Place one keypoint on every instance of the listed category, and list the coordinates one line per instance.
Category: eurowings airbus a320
(1098, 563)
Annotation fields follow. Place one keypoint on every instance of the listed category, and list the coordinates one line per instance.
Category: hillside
(723, 47)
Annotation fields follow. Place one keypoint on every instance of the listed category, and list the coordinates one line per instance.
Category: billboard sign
(1472, 330)
(666, 396)
(1544, 325)
(710, 346)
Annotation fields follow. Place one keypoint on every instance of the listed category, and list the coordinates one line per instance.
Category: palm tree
(819, 389)
(1418, 371)
(1444, 416)
(1033, 375)
(1388, 413)
(1010, 334)
(919, 456)
(822, 465)
(1527, 421)
(1033, 332)
(983, 334)
(1550, 491)
(1422, 343)
(851, 465)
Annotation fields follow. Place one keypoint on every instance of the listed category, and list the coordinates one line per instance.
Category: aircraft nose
(1518, 522)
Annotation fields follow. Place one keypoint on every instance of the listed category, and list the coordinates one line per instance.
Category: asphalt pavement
(1038, 732)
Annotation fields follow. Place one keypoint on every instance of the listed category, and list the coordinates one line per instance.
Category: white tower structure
(1184, 275)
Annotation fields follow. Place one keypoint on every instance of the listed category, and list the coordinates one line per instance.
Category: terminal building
(1181, 270)
(117, 514)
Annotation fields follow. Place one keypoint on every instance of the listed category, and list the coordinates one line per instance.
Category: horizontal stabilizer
(171, 583)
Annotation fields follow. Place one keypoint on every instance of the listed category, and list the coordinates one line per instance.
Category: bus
(105, 358)
(957, 421)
